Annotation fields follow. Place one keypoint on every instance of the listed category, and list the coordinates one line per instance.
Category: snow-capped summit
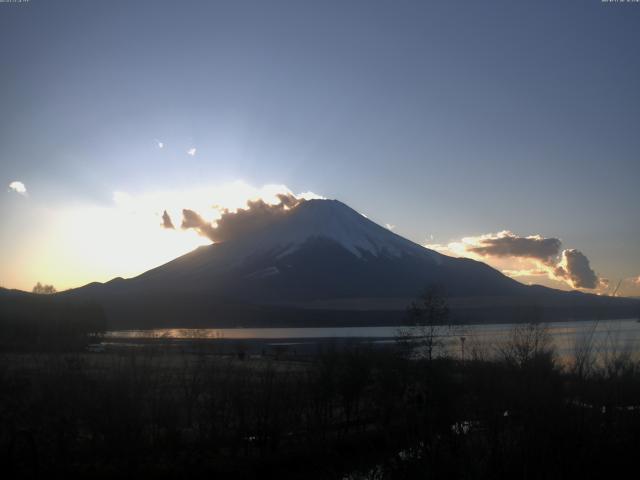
(333, 220)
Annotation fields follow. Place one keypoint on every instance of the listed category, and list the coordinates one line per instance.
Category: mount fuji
(321, 263)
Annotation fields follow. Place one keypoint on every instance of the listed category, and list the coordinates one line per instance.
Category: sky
(456, 124)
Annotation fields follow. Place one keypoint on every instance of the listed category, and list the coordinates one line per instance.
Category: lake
(606, 335)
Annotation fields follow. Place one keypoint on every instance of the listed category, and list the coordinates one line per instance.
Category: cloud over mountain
(243, 221)
(191, 219)
(166, 221)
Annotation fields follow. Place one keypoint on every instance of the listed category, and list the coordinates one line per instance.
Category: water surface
(604, 335)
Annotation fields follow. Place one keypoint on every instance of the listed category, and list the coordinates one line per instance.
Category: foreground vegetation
(358, 412)
(42, 323)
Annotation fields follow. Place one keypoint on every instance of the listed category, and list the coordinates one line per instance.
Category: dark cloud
(166, 221)
(574, 267)
(570, 266)
(507, 244)
(191, 219)
(241, 222)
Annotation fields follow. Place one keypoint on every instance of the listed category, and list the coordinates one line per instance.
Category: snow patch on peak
(333, 220)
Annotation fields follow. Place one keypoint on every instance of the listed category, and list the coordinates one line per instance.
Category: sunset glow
(89, 243)
(319, 239)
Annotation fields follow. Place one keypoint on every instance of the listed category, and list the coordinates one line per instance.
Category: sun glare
(92, 243)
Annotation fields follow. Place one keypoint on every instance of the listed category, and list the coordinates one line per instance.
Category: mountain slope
(312, 256)
(321, 249)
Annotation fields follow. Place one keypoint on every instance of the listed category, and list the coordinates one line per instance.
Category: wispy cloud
(524, 272)
(308, 195)
(18, 187)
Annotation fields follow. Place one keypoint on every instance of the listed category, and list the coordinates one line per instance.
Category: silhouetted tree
(44, 289)
(526, 344)
(427, 314)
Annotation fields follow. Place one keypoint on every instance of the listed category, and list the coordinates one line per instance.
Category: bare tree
(44, 289)
(428, 314)
(526, 344)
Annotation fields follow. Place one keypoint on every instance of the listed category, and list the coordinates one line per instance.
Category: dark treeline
(30, 322)
(353, 413)
(190, 310)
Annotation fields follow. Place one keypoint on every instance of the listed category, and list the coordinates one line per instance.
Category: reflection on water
(602, 337)
(606, 335)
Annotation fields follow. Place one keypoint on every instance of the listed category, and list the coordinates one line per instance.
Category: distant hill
(47, 322)
(323, 263)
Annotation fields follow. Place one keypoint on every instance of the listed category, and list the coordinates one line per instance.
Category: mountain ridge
(312, 257)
